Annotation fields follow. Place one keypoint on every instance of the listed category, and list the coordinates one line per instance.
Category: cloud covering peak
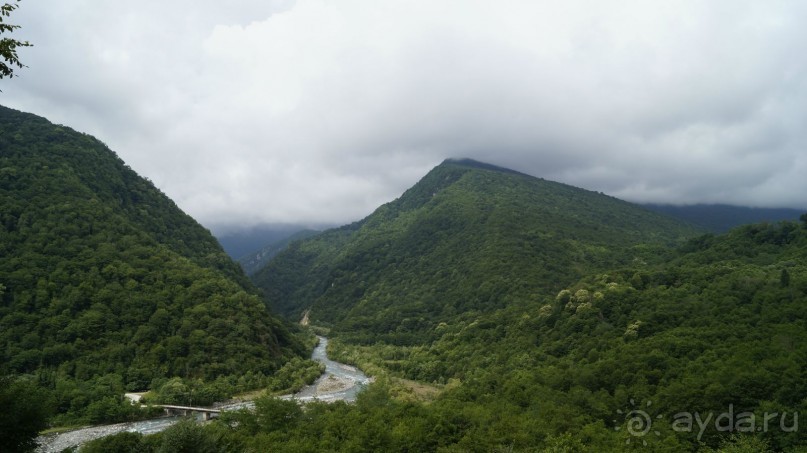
(317, 112)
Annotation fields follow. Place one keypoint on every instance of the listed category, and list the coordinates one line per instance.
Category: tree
(124, 442)
(8, 46)
(784, 278)
(187, 436)
(26, 409)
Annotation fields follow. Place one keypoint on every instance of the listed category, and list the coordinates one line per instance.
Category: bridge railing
(206, 412)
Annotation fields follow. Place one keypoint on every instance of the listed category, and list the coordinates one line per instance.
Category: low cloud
(317, 112)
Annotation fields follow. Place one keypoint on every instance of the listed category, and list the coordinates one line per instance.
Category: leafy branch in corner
(8, 46)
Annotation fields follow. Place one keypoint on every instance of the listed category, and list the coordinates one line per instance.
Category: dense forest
(718, 329)
(542, 315)
(467, 238)
(257, 260)
(106, 286)
(497, 312)
(709, 344)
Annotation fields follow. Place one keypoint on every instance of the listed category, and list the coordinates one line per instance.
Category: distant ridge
(245, 241)
(720, 218)
(253, 262)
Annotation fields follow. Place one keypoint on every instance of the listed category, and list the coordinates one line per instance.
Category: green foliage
(784, 278)
(186, 436)
(276, 415)
(466, 238)
(536, 358)
(711, 330)
(124, 442)
(191, 392)
(294, 375)
(253, 262)
(543, 313)
(25, 411)
(743, 444)
(107, 285)
(8, 46)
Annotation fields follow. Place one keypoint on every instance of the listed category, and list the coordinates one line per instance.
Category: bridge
(207, 413)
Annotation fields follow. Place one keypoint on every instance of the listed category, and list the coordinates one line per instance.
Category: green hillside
(254, 261)
(106, 286)
(697, 347)
(719, 328)
(468, 237)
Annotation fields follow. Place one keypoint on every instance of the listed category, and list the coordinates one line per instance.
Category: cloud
(317, 112)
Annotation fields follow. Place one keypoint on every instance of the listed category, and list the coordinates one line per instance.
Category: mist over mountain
(238, 243)
(720, 218)
(255, 261)
(469, 236)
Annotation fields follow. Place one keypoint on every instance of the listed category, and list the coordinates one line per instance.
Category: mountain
(468, 237)
(106, 285)
(720, 218)
(705, 348)
(701, 351)
(634, 342)
(253, 262)
(239, 243)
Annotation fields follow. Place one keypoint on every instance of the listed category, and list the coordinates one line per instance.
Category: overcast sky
(314, 111)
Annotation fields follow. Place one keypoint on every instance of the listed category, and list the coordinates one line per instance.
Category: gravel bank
(54, 443)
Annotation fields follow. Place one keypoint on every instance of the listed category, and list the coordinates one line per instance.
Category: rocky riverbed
(340, 382)
(54, 443)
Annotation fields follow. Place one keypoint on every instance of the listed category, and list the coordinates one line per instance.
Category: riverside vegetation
(498, 312)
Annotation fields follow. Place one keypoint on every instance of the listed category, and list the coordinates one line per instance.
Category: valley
(339, 382)
(490, 310)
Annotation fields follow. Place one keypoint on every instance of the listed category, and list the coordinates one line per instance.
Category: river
(340, 382)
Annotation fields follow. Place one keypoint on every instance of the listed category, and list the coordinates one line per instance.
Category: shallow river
(340, 382)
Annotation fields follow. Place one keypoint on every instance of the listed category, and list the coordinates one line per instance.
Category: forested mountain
(106, 286)
(720, 218)
(253, 262)
(702, 351)
(550, 319)
(533, 316)
(469, 237)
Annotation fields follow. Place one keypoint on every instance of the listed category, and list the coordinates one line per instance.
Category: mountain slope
(714, 327)
(715, 331)
(253, 262)
(103, 276)
(469, 236)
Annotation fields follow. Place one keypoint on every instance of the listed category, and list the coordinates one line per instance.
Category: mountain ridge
(105, 279)
(460, 210)
(720, 218)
